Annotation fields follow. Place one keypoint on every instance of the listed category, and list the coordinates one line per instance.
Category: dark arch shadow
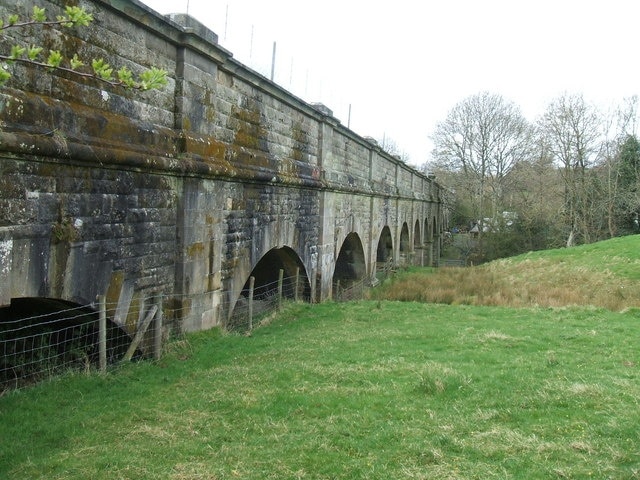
(405, 245)
(404, 239)
(427, 231)
(417, 238)
(384, 252)
(351, 265)
(40, 337)
(265, 290)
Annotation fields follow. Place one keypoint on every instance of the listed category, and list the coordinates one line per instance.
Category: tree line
(570, 177)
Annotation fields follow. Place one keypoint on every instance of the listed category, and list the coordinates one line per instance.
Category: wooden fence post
(252, 282)
(102, 333)
(157, 334)
(140, 334)
(295, 295)
(280, 281)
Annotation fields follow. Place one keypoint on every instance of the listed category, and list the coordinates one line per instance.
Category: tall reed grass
(566, 277)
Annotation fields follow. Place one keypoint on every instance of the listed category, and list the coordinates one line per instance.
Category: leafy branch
(54, 60)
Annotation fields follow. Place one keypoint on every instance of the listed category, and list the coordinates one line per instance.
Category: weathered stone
(188, 190)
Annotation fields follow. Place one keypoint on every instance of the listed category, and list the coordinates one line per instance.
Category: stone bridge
(188, 190)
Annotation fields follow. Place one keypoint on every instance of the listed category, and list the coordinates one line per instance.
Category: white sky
(401, 65)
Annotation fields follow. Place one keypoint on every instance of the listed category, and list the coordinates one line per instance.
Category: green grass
(373, 390)
(603, 274)
(619, 256)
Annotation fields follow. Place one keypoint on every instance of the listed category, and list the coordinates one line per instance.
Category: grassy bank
(373, 390)
(377, 389)
(604, 274)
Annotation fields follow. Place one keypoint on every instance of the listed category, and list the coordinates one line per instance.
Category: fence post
(337, 294)
(157, 334)
(297, 284)
(280, 278)
(140, 334)
(102, 333)
(252, 282)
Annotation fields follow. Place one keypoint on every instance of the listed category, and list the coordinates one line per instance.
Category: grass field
(604, 274)
(375, 389)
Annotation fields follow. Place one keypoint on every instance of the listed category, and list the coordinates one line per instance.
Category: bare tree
(617, 153)
(390, 146)
(626, 165)
(483, 138)
(535, 193)
(571, 129)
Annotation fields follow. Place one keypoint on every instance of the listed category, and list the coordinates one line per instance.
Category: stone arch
(417, 238)
(428, 233)
(405, 244)
(351, 264)
(266, 274)
(267, 271)
(40, 335)
(404, 238)
(384, 252)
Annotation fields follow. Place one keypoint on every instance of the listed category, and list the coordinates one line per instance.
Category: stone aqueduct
(187, 190)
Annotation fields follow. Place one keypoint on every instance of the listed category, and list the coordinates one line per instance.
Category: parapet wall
(216, 115)
(179, 190)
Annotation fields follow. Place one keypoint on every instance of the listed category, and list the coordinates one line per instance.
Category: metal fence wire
(256, 304)
(36, 346)
(42, 337)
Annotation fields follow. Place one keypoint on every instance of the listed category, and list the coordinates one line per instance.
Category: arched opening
(417, 245)
(417, 239)
(40, 337)
(404, 243)
(350, 264)
(428, 232)
(404, 238)
(384, 252)
(267, 287)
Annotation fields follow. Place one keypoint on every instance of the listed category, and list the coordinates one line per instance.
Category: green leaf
(78, 16)
(153, 78)
(102, 69)
(17, 52)
(126, 77)
(54, 59)
(13, 19)
(75, 62)
(38, 14)
(33, 52)
(4, 75)
(64, 21)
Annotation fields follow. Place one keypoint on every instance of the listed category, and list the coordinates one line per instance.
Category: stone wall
(182, 190)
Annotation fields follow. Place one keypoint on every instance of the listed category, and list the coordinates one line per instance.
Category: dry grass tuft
(538, 282)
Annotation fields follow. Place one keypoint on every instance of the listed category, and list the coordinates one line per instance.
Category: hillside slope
(604, 274)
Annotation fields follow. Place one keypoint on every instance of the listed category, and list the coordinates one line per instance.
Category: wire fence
(41, 337)
(256, 304)
(35, 346)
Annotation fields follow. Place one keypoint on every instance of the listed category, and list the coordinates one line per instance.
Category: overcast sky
(399, 66)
